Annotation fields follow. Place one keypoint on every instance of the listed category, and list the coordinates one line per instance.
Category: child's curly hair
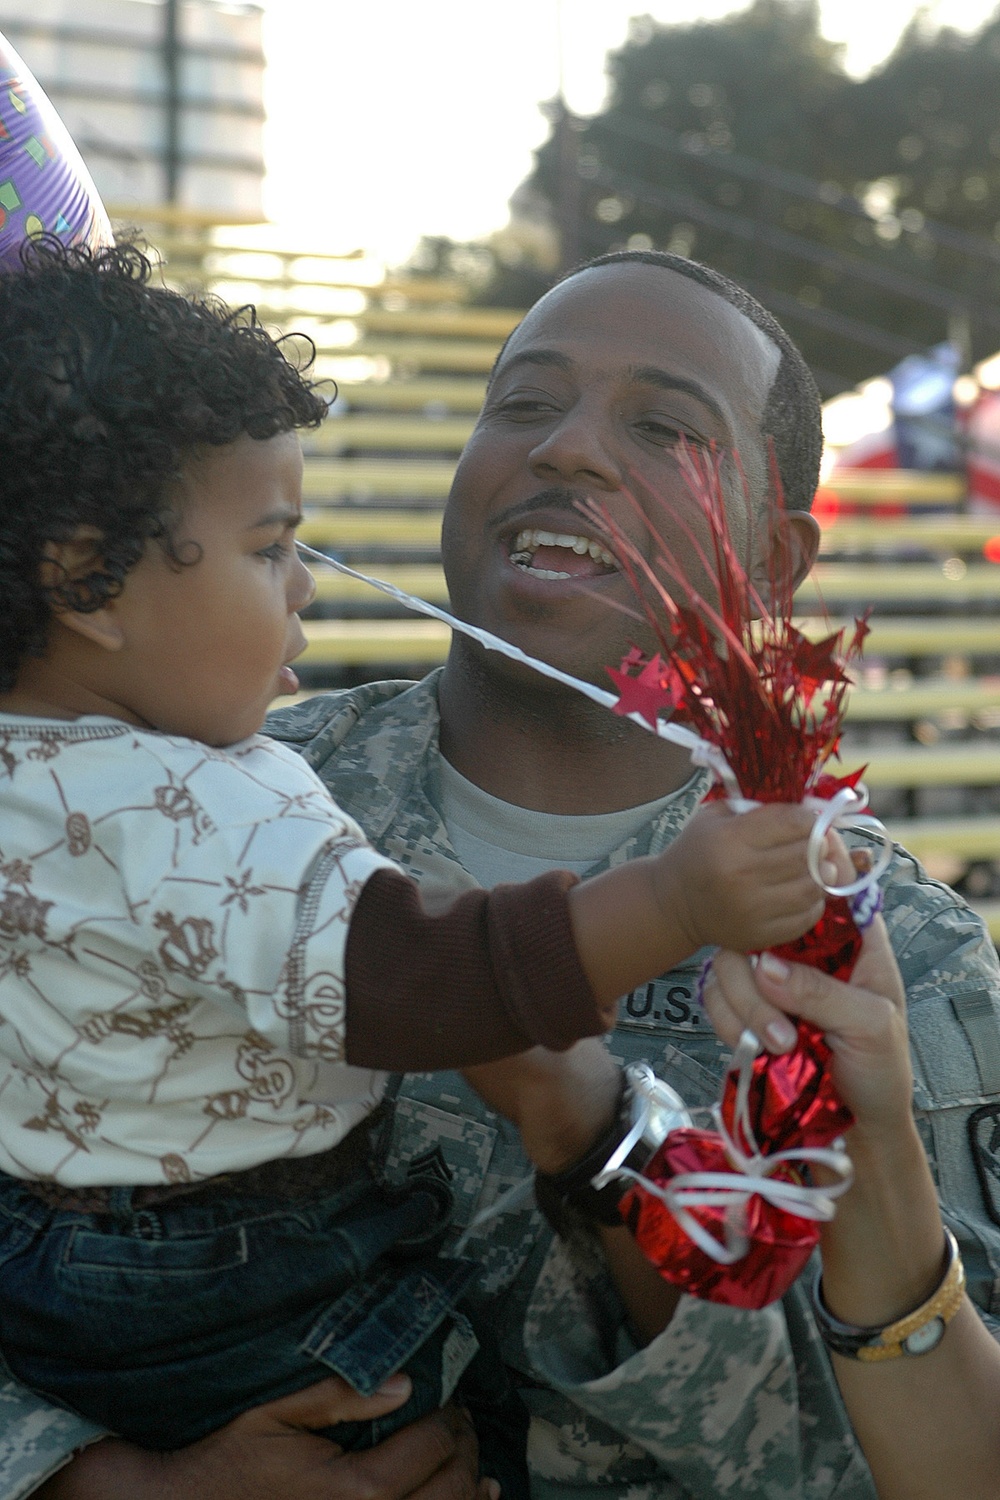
(108, 384)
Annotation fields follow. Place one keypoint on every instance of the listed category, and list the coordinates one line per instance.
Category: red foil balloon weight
(791, 1108)
(832, 945)
(780, 1243)
(732, 1214)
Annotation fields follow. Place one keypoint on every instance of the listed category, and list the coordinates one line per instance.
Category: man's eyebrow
(554, 359)
(653, 375)
(280, 517)
(551, 359)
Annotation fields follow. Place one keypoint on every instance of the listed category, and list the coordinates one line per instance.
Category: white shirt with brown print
(173, 921)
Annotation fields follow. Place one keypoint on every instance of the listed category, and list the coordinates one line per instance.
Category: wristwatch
(592, 1188)
(917, 1333)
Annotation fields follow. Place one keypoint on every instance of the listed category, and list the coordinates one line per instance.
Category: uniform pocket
(374, 1328)
(431, 1142)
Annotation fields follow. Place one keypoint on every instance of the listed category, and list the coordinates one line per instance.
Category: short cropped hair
(792, 416)
(108, 384)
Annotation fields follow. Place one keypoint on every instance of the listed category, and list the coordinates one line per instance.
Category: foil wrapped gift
(714, 1213)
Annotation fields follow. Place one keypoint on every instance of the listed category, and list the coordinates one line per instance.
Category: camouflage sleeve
(36, 1439)
(724, 1402)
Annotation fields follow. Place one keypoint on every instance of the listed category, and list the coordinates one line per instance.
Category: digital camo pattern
(725, 1404)
(35, 1438)
(187, 1015)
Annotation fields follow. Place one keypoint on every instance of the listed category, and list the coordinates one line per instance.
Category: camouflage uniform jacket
(724, 1404)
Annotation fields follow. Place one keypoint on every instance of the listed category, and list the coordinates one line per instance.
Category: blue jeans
(163, 1323)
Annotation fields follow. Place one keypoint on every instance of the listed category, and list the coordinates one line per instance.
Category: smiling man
(588, 400)
(483, 773)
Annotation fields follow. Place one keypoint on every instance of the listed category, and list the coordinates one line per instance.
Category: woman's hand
(864, 1021)
(929, 1426)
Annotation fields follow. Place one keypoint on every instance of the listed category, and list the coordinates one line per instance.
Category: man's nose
(576, 448)
(301, 587)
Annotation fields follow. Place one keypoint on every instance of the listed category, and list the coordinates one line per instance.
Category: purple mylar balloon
(44, 186)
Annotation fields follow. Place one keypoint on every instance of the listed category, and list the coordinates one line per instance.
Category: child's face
(207, 645)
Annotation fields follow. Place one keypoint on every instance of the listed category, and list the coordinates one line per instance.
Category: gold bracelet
(917, 1333)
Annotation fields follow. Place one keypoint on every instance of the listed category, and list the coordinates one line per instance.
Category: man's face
(594, 390)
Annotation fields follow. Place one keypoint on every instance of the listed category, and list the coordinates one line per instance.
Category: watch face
(923, 1340)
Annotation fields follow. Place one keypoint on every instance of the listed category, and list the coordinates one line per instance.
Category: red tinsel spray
(733, 666)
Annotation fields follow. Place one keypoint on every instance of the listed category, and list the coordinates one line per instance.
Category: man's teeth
(526, 543)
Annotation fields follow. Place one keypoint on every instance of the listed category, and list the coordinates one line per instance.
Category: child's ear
(73, 560)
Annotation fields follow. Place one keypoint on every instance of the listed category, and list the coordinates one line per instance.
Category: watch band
(573, 1190)
(917, 1333)
(592, 1188)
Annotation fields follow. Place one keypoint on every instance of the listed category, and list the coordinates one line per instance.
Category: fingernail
(493, 1489)
(396, 1385)
(782, 1033)
(774, 967)
(828, 870)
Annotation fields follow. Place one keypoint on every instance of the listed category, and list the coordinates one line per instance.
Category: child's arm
(543, 963)
(739, 880)
(494, 974)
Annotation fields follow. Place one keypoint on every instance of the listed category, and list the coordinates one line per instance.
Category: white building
(164, 98)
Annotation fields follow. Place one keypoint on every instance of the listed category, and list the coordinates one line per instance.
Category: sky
(388, 119)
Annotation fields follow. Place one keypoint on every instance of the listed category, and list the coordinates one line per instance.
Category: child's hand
(740, 880)
(561, 1102)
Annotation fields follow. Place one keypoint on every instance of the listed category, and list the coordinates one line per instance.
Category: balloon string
(842, 810)
(702, 752)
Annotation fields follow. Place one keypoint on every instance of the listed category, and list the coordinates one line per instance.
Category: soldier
(480, 773)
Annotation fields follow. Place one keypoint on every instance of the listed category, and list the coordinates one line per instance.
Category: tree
(744, 144)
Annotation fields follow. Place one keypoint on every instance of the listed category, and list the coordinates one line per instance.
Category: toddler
(205, 971)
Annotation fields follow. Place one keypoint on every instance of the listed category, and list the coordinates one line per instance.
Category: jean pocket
(113, 1257)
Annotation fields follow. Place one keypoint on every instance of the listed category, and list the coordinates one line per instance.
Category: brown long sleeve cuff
(494, 974)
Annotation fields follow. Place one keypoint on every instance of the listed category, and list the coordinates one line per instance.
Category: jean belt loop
(120, 1201)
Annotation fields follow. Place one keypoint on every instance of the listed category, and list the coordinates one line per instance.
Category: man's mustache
(555, 497)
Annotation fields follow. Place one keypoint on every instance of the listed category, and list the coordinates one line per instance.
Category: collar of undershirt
(584, 837)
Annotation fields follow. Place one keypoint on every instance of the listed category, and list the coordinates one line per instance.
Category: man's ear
(802, 540)
(794, 544)
(65, 563)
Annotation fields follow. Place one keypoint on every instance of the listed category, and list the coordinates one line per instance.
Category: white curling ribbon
(750, 1175)
(702, 751)
(845, 809)
(735, 1189)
